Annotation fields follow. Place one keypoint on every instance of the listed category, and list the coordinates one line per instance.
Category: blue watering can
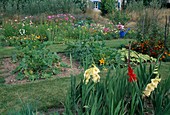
(123, 33)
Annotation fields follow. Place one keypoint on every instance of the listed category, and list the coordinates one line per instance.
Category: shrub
(107, 6)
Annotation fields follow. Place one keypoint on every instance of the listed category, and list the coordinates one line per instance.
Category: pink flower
(66, 18)
(120, 26)
(49, 17)
(105, 30)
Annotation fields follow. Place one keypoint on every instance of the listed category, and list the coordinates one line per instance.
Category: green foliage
(147, 2)
(107, 6)
(26, 109)
(36, 61)
(136, 58)
(148, 23)
(86, 48)
(114, 95)
(2, 79)
(82, 4)
(161, 98)
(101, 98)
(32, 7)
(91, 51)
(134, 6)
(118, 16)
(96, 50)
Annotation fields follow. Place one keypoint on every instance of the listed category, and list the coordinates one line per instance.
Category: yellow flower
(38, 37)
(146, 93)
(96, 78)
(151, 86)
(87, 75)
(102, 61)
(95, 70)
(92, 72)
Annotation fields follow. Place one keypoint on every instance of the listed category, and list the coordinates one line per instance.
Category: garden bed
(9, 67)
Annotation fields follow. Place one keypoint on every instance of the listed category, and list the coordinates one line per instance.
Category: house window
(96, 5)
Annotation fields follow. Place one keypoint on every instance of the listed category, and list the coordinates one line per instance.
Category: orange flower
(169, 54)
(102, 61)
(163, 56)
(165, 52)
(142, 45)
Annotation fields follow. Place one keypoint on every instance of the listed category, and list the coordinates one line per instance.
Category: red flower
(131, 74)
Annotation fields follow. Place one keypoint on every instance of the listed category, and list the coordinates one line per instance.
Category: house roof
(95, 0)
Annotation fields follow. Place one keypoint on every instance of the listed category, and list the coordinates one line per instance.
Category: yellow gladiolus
(146, 93)
(96, 78)
(151, 86)
(95, 70)
(92, 72)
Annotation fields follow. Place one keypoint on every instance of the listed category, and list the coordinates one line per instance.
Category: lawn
(42, 94)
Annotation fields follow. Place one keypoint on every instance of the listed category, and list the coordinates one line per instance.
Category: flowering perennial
(120, 26)
(92, 72)
(131, 74)
(151, 86)
(102, 61)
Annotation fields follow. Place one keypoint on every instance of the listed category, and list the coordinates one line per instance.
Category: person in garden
(122, 31)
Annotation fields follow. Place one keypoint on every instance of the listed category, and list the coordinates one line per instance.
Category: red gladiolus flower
(131, 74)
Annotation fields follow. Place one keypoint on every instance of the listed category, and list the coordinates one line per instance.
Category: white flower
(22, 31)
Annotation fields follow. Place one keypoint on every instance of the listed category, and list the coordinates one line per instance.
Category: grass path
(43, 94)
